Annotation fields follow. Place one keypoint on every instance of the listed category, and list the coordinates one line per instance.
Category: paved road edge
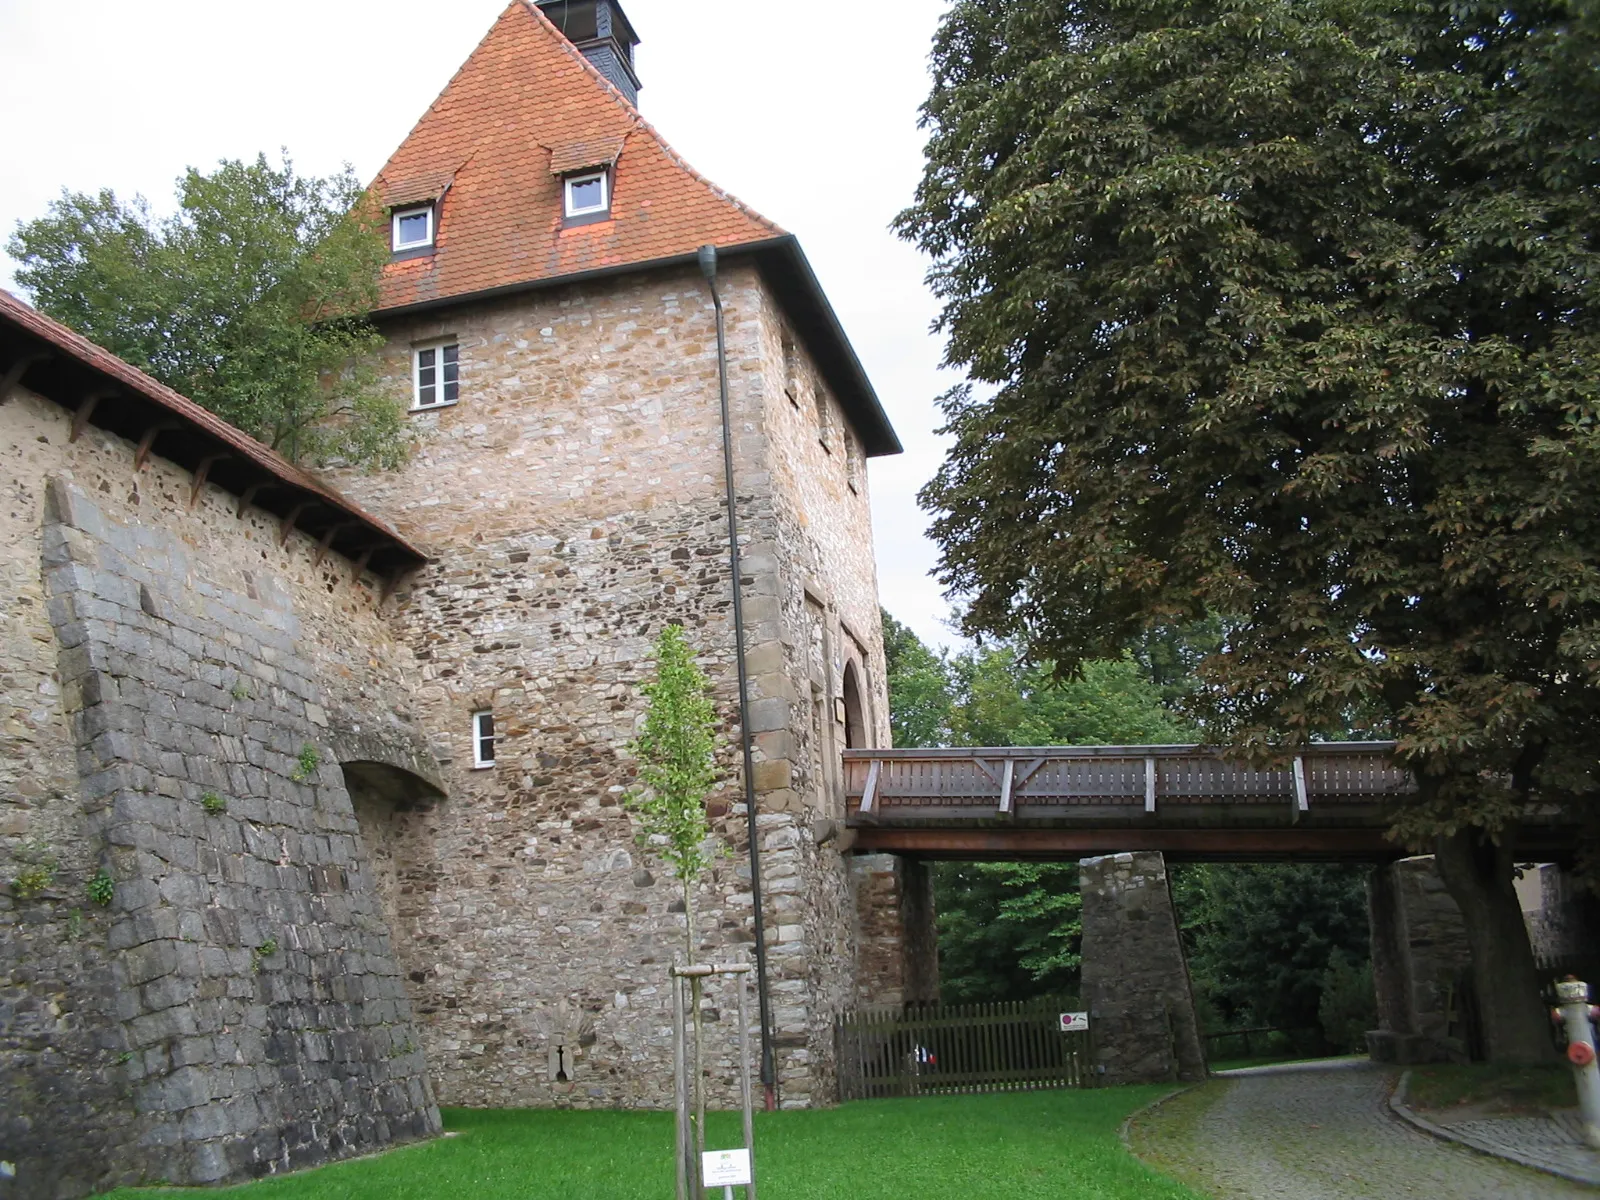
(1144, 1111)
(1398, 1106)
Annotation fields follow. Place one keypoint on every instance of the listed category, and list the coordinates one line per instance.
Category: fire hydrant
(1576, 1014)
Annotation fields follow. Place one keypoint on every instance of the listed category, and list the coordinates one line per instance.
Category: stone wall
(573, 500)
(898, 954)
(179, 682)
(1421, 962)
(1136, 985)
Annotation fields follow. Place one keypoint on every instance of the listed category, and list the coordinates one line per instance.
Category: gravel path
(1320, 1132)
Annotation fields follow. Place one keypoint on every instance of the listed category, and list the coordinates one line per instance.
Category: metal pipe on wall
(708, 268)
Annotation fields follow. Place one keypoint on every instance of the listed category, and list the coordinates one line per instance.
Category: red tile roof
(527, 102)
(189, 434)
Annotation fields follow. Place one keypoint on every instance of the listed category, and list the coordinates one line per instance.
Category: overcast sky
(807, 112)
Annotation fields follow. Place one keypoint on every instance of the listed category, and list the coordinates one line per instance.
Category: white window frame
(416, 375)
(410, 210)
(571, 181)
(479, 763)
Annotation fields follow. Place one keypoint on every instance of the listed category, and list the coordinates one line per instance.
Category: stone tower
(556, 343)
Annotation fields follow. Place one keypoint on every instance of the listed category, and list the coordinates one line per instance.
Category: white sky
(805, 111)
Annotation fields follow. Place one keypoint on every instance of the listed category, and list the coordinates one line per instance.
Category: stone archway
(392, 808)
(855, 717)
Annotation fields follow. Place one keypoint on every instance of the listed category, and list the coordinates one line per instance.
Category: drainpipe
(708, 268)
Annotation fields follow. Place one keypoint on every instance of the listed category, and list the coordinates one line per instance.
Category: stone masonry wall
(1420, 958)
(1135, 977)
(824, 595)
(573, 500)
(898, 943)
(235, 1009)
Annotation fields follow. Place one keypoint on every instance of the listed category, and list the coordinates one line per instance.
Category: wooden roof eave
(49, 361)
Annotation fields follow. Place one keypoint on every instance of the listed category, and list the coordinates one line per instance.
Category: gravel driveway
(1320, 1131)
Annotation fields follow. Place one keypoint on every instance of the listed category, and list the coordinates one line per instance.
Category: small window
(588, 195)
(482, 740)
(824, 421)
(437, 377)
(791, 370)
(413, 228)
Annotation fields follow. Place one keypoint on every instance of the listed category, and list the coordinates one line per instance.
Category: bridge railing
(1058, 784)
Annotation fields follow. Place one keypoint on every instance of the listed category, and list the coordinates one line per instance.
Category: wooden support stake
(361, 563)
(1149, 784)
(1302, 801)
(286, 526)
(390, 583)
(15, 372)
(200, 473)
(1006, 809)
(142, 454)
(869, 794)
(247, 498)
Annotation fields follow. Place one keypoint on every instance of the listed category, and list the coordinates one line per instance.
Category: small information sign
(1075, 1022)
(725, 1168)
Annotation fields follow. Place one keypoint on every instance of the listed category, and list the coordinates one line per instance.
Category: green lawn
(1061, 1145)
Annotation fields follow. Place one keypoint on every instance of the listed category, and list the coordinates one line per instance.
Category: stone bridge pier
(1136, 984)
(1421, 965)
(898, 942)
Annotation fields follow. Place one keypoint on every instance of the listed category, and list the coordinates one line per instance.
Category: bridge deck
(1333, 801)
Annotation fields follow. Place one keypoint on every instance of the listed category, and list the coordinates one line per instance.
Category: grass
(1060, 1144)
(1495, 1088)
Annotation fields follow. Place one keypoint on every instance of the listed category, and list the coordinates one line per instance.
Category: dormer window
(413, 228)
(588, 196)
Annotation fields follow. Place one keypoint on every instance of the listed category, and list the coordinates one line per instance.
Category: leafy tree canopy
(919, 688)
(248, 300)
(1289, 309)
(1262, 938)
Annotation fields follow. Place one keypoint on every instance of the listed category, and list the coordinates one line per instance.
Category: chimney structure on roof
(601, 30)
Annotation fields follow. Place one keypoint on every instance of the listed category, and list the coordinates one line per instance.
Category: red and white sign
(1075, 1022)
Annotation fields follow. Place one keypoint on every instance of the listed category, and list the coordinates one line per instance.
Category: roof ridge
(428, 112)
(638, 121)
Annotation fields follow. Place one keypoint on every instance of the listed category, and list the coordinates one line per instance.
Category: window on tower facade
(435, 375)
(482, 740)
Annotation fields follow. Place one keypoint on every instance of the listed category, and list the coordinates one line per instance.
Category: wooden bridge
(1334, 801)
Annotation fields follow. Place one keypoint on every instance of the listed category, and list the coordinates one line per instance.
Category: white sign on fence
(725, 1168)
(1074, 1022)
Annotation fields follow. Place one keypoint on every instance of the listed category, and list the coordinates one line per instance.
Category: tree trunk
(1478, 874)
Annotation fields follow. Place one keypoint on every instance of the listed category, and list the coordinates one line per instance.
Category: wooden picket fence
(959, 1048)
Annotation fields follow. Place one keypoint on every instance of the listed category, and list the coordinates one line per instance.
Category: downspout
(708, 268)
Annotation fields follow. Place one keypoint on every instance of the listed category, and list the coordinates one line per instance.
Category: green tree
(1263, 937)
(1001, 701)
(1289, 313)
(919, 688)
(250, 300)
(1007, 931)
(677, 767)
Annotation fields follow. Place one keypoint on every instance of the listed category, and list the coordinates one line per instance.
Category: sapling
(676, 773)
